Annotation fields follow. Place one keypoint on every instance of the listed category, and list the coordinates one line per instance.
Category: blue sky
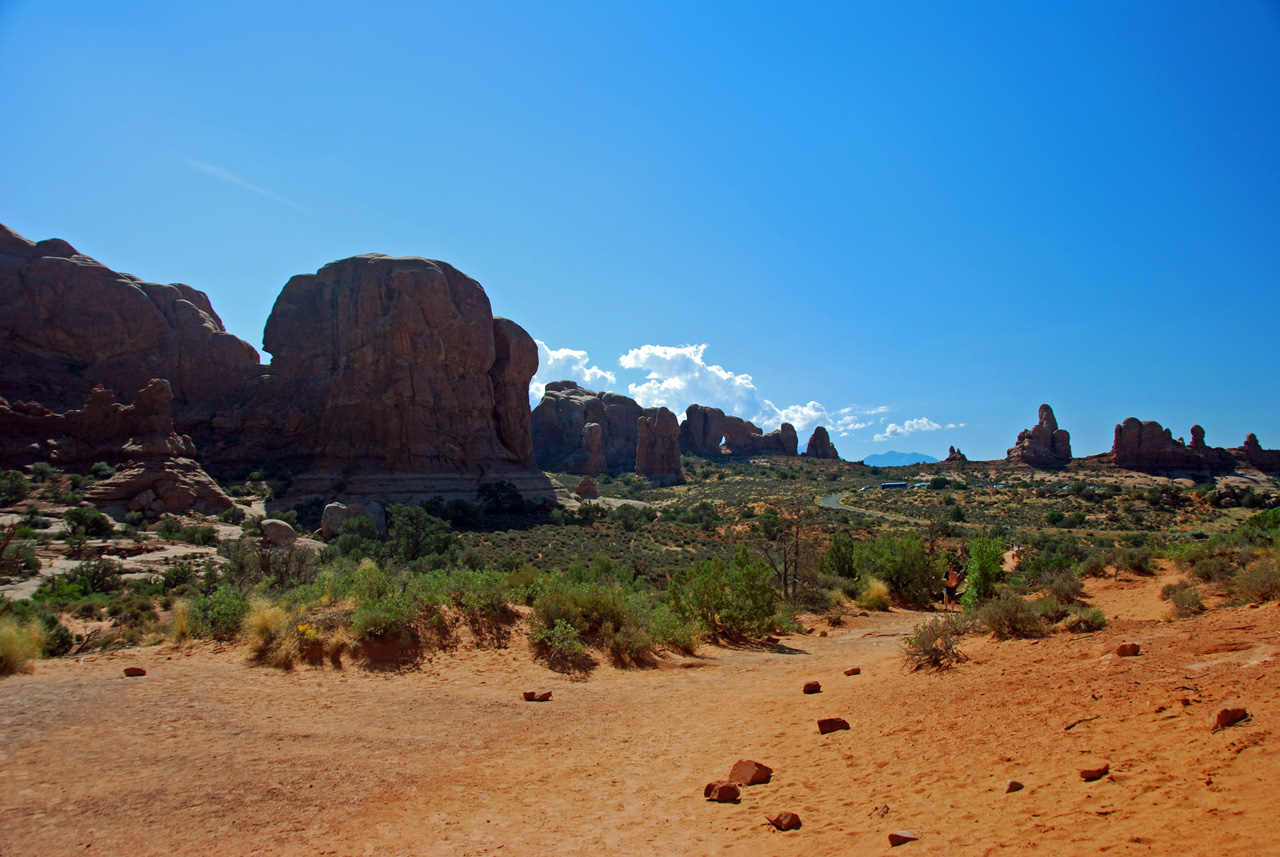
(912, 222)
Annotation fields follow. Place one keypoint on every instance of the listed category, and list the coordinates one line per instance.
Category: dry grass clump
(180, 623)
(1011, 617)
(874, 595)
(267, 628)
(1259, 582)
(20, 644)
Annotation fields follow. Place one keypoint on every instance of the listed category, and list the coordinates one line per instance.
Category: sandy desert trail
(206, 755)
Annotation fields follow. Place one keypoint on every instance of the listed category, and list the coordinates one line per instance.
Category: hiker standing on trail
(950, 583)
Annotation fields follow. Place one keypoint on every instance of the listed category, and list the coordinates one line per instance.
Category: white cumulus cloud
(677, 376)
(893, 430)
(566, 364)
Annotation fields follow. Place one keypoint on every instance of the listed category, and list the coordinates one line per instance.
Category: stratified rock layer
(1044, 444)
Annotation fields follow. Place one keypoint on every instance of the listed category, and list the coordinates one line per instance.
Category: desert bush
(935, 644)
(1083, 618)
(415, 534)
(1010, 617)
(1065, 585)
(42, 471)
(983, 571)
(1212, 569)
(87, 521)
(1259, 581)
(1186, 602)
(20, 643)
(97, 575)
(1170, 589)
(1049, 609)
(631, 518)
(102, 470)
(1136, 560)
(874, 594)
(203, 535)
(58, 640)
(1053, 517)
(219, 614)
(132, 611)
(180, 623)
(738, 597)
(13, 487)
(1095, 564)
(840, 558)
(562, 641)
(385, 618)
(251, 561)
(235, 515)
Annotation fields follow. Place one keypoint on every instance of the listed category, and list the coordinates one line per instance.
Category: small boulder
(1226, 716)
(1013, 786)
(748, 773)
(832, 724)
(587, 488)
(722, 791)
(1089, 775)
(901, 837)
(1128, 650)
(822, 633)
(134, 671)
(785, 821)
(853, 671)
(277, 532)
(537, 695)
(771, 639)
(812, 687)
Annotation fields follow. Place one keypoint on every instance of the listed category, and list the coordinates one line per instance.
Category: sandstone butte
(389, 376)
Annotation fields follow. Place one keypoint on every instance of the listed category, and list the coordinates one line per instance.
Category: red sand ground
(208, 755)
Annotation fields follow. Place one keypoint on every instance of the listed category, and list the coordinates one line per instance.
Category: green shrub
(479, 591)
(1259, 582)
(383, 619)
(13, 487)
(102, 470)
(414, 534)
(1065, 585)
(219, 614)
(168, 527)
(561, 641)
(203, 535)
(97, 575)
(935, 644)
(1186, 603)
(1053, 517)
(1212, 568)
(1170, 589)
(1049, 609)
(42, 471)
(874, 594)
(1084, 619)
(738, 597)
(87, 521)
(1011, 617)
(235, 515)
(58, 640)
(984, 570)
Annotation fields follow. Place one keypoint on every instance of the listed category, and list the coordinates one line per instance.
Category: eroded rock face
(955, 455)
(658, 447)
(710, 431)
(820, 445)
(1044, 444)
(1147, 445)
(390, 377)
(71, 323)
(562, 441)
(1264, 459)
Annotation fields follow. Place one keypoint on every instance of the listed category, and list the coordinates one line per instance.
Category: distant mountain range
(898, 459)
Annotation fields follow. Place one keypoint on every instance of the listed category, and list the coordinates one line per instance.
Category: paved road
(833, 502)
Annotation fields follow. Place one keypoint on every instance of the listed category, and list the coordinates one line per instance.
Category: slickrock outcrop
(820, 446)
(335, 514)
(391, 379)
(1044, 444)
(69, 323)
(709, 431)
(954, 455)
(559, 425)
(658, 447)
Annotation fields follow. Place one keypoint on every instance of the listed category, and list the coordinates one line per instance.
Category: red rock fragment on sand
(900, 837)
(822, 633)
(785, 821)
(1013, 786)
(1128, 650)
(832, 724)
(1226, 716)
(853, 671)
(771, 639)
(1089, 775)
(748, 773)
(134, 671)
(537, 695)
(722, 791)
(812, 687)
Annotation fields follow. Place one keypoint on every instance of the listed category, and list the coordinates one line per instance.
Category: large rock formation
(658, 447)
(710, 431)
(1146, 445)
(156, 470)
(69, 323)
(955, 456)
(820, 445)
(562, 440)
(390, 379)
(1044, 444)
